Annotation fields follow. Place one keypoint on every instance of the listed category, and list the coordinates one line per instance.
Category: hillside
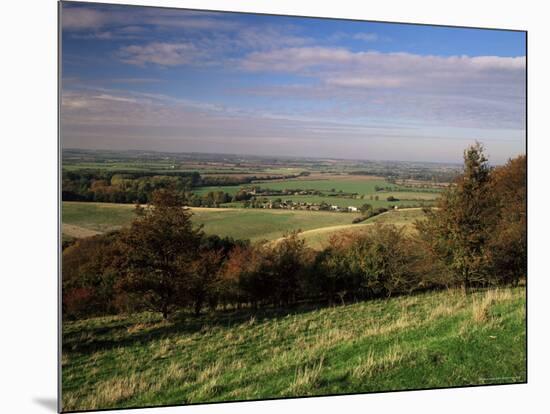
(440, 339)
(87, 219)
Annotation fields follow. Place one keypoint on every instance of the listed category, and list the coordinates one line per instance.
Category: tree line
(475, 237)
(138, 186)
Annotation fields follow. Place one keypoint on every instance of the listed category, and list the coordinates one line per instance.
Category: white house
(352, 209)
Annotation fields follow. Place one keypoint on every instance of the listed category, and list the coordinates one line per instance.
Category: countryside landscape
(258, 207)
(283, 281)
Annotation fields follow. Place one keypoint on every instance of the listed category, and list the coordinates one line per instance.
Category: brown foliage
(478, 231)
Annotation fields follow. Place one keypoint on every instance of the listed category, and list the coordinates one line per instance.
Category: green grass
(405, 217)
(429, 340)
(97, 216)
(347, 185)
(230, 189)
(320, 238)
(254, 224)
(361, 186)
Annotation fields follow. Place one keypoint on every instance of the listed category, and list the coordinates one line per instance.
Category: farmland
(326, 278)
(440, 339)
(319, 238)
(299, 185)
(254, 224)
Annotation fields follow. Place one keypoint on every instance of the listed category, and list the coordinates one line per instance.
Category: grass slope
(319, 238)
(430, 340)
(254, 224)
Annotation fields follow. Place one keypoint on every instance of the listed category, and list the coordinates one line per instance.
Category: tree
(365, 208)
(203, 279)
(288, 263)
(158, 251)
(457, 232)
(507, 244)
(89, 275)
(389, 262)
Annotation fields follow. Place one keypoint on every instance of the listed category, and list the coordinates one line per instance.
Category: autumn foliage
(475, 237)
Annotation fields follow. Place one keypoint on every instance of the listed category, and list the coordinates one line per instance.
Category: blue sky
(188, 81)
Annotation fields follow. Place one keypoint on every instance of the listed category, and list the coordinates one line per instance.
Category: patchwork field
(439, 339)
(88, 219)
(364, 186)
(253, 224)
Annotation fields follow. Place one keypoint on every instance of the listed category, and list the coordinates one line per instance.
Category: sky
(190, 81)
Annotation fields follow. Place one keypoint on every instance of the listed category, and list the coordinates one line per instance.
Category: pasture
(319, 238)
(346, 184)
(253, 224)
(437, 339)
(364, 186)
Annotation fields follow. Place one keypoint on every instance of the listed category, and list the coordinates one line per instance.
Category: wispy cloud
(76, 19)
(160, 53)
(460, 90)
(276, 82)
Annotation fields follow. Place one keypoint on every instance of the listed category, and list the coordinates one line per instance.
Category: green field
(253, 224)
(363, 186)
(346, 202)
(320, 238)
(347, 185)
(84, 219)
(429, 340)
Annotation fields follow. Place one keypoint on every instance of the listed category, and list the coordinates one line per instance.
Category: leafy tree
(365, 208)
(203, 280)
(158, 252)
(457, 232)
(289, 261)
(89, 275)
(507, 243)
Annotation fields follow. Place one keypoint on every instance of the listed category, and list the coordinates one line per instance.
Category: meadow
(437, 339)
(253, 224)
(320, 238)
(88, 219)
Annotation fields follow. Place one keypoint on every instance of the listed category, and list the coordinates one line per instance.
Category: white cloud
(410, 68)
(160, 53)
(366, 37)
(127, 19)
(459, 91)
(83, 19)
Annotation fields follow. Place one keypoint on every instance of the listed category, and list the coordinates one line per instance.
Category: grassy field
(320, 238)
(254, 224)
(362, 185)
(429, 340)
(348, 184)
(99, 217)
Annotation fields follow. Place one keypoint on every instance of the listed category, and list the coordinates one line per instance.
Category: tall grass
(436, 339)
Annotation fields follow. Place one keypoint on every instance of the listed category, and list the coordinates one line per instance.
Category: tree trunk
(198, 307)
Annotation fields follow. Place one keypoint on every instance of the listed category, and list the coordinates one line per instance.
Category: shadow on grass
(117, 331)
(116, 334)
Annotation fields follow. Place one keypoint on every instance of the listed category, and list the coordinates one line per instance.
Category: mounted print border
(257, 207)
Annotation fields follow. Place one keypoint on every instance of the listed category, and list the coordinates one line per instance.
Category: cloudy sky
(183, 81)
